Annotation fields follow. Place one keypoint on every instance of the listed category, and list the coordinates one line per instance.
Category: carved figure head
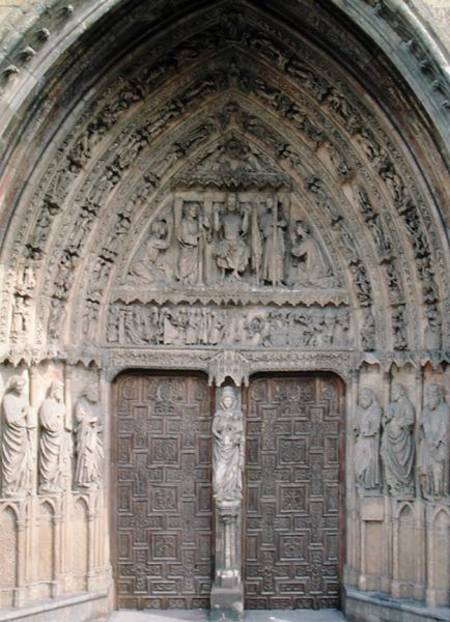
(56, 390)
(398, 391)
(366, 397)
(91, 392)
(301, 229)
(158, 229)
(228, 398)
(433, 396)
(17, 384)
(192, 209)
(232, 202)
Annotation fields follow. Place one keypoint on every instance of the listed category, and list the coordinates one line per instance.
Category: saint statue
(434, 444)
(228, 448)
(191, 236)
(367, 444)
(232, 251)
(397, 446)
(17, 441)
(55, 442)
(273, 230)
(88, 445)
(150, 268)
(312, 265)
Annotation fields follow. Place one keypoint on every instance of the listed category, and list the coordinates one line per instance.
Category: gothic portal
(224, 309)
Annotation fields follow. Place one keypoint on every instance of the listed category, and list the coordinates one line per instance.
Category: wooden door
(162, 510)
(294, 492)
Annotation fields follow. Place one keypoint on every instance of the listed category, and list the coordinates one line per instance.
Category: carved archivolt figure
(232, 251)
(17, 442)
(398, 447)
(228, 451)
(55, 442)
(367, 445)
(434, 443)
(313, 265)
(150, 267)
(88, 445)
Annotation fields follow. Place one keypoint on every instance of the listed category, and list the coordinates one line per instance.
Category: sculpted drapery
(55, 442)
(17, 445)
(228, 451)
(398, 447)
(433, 460)
(367, 446)
(88, 445)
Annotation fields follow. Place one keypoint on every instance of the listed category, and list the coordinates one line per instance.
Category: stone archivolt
(229, 199)
(342, 168)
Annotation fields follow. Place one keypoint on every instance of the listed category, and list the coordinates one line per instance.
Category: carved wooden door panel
(163, 506)
(293, 523)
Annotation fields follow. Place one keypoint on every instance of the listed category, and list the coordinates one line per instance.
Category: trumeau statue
(433, 461)
(89, 449)
(55, 442)
(17, 443)
(367, 445)
(397, 446)
(228, 448)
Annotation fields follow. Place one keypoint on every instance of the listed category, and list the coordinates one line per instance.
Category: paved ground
(326, 615)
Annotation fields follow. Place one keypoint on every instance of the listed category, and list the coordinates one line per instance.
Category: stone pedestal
(227, 594)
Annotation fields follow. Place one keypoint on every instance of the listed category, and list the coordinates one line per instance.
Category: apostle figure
(150, 267)
(191, 241)
(367, 445)
(397, 446)
(55, 442)
(88, 445)
(434, 444)
(273, 226)
(17, 442)
(312, 265)
(228, 448)
(232, 251)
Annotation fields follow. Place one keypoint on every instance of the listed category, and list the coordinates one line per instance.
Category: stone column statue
(88, 445)
(228, 458)
(367, 445)
(433, 459)
(397, 446)
(228, 463)
(55, 442)
(17, 441)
